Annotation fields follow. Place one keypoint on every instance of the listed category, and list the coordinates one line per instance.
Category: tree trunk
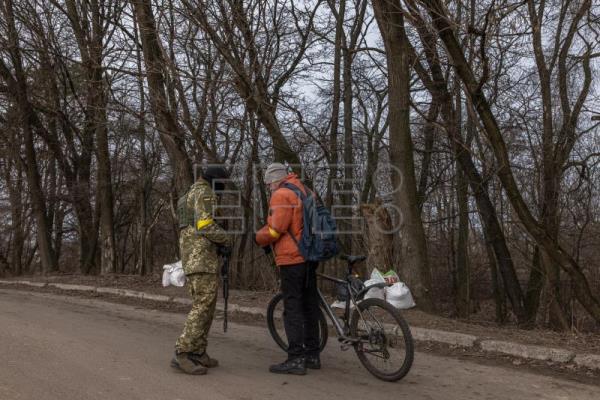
(463, 273)
(379, 238)
(98, 100)
(463, 276)
(349, 162)
(15, 192)
(534, 287)
(497, 287)
(339, 14)
(428, 133)
(18, 87)
(107, 231)
(557, 318)
(415, 270)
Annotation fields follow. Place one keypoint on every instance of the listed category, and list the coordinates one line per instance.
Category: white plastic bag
(178, 276)
(173, 274)
(377, 275)
(399, 296)
(341, 305)
(166, 278)
(338, 304)
(374, 292)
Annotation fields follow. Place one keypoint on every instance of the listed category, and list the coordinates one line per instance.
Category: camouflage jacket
(200, 235)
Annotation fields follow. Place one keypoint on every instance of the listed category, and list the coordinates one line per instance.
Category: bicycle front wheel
(386, 347)
(277, 330)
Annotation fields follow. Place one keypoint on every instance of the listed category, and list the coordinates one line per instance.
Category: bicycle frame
(353, 295)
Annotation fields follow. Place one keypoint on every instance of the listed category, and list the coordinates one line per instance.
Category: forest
(456, 141)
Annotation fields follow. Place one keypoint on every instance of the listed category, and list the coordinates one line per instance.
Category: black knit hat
(216, 173)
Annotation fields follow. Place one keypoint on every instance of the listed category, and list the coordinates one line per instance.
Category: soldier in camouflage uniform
(199, 239)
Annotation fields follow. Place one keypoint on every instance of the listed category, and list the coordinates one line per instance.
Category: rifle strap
(225, 276)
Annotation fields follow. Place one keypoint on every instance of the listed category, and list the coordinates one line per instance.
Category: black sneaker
(294, 366)
(312, 362)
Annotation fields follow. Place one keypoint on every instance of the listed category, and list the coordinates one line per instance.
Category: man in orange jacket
(298, 277)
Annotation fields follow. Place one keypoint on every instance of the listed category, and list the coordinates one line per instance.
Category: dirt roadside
(577, 342)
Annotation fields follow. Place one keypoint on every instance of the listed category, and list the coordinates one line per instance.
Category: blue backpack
(318, 241)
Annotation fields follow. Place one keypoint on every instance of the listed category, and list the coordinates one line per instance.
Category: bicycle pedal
(346, 344)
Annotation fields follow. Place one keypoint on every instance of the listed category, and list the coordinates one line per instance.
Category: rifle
(225, 280)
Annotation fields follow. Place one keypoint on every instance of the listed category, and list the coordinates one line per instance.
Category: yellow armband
(203, 223)
(274, 233)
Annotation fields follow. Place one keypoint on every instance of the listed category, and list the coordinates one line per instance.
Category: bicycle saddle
(352, 259)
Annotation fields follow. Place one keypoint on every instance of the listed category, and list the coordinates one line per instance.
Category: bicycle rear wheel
(277, 330)
(386, 347)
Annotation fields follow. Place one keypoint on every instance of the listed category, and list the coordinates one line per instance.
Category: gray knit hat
(275, 172)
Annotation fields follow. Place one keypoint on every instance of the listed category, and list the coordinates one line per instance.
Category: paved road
(66, 348)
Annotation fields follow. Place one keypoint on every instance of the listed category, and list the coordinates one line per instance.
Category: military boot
(204, 360)
(184, 363)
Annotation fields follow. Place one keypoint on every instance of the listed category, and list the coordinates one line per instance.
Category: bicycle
(376, 329)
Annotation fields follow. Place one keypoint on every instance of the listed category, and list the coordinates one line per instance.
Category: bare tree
(548, 244)
(416, 271)
(166, 120)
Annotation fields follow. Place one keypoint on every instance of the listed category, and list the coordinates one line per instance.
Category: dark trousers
(301, 309)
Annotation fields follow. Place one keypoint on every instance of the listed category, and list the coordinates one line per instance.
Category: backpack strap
(296, 190)
(302, 197)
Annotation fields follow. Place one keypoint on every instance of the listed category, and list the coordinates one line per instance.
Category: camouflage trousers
(203, 291)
